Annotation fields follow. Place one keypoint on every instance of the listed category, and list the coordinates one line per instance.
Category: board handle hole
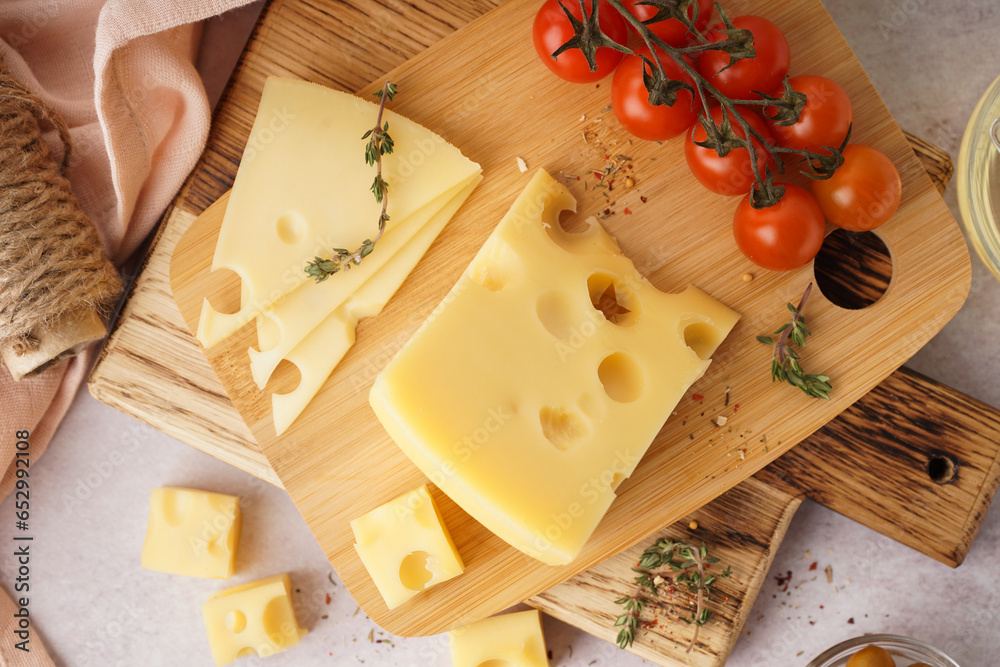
(942, 469)
(853, 269)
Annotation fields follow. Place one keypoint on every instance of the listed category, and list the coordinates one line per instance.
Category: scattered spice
(629, 182)
(813, 566)
(721, 420)
(785, 360)
(829, 574)
(687, 566)
(328, 598)
(693, 525)
(522, 165)
(783, 580)
(747, 277)
(697, 397)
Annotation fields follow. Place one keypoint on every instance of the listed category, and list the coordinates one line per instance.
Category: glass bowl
(978, 179)
(904, 650)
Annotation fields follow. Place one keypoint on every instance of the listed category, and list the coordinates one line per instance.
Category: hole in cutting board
(853, 269)
(942, 469)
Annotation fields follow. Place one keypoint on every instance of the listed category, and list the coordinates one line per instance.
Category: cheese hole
(225, 291)
(413, 572)
(176, 506)
(285, 379)
(562, 428)
(494, 266)
(246, 651)
(280, 628)
(496, 662)
(268, 333)
(236, 621)
(613, 298)
(617, 480)
(703, 338)
(291, 228)
(555, 312)
(621, 377)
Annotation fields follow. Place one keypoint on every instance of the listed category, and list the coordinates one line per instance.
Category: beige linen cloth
(122, 74)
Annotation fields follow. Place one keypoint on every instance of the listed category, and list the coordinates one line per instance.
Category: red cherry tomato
(630, 100)
(671, 31)
(552, 29)
(780, 237)
(863, 193)
(730, 175)
(763, 72)
(824, 121)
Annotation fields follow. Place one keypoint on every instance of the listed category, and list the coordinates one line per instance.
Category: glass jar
(905, 652)
(978, 178)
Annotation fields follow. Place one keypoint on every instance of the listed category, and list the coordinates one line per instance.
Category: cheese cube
(251, 619)
(539, 383)
(191, 532)
(406, 546)
(509, 639)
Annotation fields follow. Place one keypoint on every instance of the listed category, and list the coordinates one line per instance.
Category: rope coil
(52, 261)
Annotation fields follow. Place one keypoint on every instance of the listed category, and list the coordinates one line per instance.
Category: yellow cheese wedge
(191, 532)
(406, 547)
(522, 400)
(284, 325)
(251, 619)
(302, 189)
(508, 639)
(324, 346)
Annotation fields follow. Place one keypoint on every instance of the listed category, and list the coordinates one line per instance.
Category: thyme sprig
(722, 138)
(379, 144)
(673, 564)
(785, 360)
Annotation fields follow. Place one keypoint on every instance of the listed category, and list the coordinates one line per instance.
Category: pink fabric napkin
(122, 74)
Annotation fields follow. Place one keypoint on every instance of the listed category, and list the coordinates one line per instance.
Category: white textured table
(93, 605)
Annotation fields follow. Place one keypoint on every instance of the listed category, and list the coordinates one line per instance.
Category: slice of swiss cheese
(321, 350)
(525, 403)
(303, 188)
(286, 323)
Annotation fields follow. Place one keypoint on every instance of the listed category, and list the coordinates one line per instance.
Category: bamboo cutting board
(334, 481)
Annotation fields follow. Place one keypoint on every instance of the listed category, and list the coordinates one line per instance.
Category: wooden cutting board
(153, 369)
(337, 462)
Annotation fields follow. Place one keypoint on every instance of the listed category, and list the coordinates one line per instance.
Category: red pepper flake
(697, 397)
(643, 199)
(736, 408)
(328, 598)
(783, 580)
(850, 621)
(627, 211)
(599, 175)
(813, 566)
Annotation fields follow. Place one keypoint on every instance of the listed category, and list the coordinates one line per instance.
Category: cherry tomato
(763, 72)
(824, 121)
(552, 29)
(630, 100)
(780, 237)
(863, 193)
(730, 175)
(871, 656)
(671, 31)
